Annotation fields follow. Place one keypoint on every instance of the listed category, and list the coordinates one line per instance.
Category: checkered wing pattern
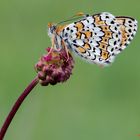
(99, 38)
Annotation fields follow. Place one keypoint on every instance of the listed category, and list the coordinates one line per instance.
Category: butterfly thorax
(54, 33)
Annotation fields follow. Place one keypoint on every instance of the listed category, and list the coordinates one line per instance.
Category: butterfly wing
(128, 27)
(98, 38)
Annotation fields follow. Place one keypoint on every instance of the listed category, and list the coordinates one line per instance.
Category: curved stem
(16, 107)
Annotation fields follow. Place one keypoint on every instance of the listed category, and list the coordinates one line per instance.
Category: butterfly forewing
(99, 38)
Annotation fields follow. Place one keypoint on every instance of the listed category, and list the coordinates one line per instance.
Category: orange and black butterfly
(96, 38)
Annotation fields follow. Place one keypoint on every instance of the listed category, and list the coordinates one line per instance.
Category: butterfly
(97, 38)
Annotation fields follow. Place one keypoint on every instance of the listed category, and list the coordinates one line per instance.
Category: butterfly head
(51, 29)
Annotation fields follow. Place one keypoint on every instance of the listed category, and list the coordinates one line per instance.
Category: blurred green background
(95, 104)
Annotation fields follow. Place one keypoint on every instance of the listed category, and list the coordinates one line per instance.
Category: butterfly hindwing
(128, 28)
(99, 38)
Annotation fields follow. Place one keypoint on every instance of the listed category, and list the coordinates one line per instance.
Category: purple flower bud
(54, 67)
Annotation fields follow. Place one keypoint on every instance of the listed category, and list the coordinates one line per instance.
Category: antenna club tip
(80, 14)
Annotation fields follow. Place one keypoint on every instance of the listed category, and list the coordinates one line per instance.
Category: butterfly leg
(53, 42)
(66, 49)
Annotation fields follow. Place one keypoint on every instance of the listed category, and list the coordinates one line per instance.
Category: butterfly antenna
(75, 17)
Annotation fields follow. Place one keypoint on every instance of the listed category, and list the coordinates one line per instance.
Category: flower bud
(54, 67)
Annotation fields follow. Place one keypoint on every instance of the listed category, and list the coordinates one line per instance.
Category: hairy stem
(16, 107)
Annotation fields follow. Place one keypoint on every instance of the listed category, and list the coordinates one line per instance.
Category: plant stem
(16, 107)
